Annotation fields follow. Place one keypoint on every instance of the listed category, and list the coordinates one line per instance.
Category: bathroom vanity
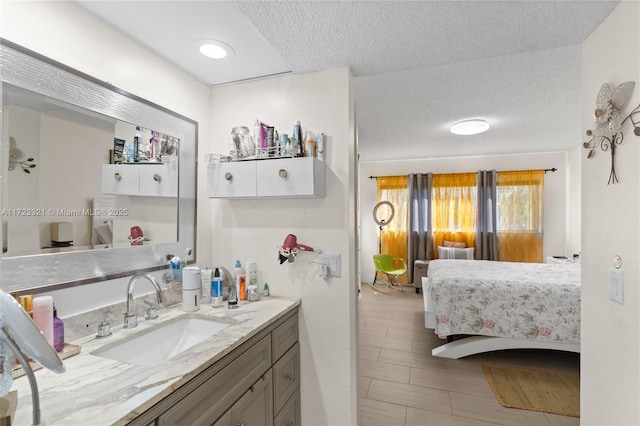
(247, 373)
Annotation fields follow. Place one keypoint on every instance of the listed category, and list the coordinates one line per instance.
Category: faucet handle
(104, 328)
(152, 310)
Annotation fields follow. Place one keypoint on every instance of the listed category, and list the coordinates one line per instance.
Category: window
(454, 208)
(519, 210)
(393, 237)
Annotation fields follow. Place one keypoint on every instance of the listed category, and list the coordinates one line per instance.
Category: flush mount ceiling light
(469, 127)
(215, 49)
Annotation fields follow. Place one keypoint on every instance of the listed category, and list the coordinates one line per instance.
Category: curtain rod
(553, 169)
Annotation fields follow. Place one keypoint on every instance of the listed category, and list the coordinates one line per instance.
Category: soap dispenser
(191, 289)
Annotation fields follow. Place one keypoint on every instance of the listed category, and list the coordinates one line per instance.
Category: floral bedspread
(535, 301)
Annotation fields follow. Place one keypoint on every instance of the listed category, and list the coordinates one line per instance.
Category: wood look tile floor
(401, 384)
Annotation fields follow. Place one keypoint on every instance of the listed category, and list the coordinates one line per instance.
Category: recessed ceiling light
(469, 127)
(215, 49)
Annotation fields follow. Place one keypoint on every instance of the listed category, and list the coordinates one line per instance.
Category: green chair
(390, 266)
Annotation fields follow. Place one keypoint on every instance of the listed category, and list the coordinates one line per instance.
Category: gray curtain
(420, 233)
(486, 229)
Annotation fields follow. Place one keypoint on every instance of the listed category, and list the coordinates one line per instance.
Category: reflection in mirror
(88, 166)
(47, 208)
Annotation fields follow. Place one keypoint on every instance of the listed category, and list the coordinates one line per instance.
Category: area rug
(535, 390)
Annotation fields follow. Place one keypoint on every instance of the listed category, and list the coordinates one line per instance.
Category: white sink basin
(163, 342)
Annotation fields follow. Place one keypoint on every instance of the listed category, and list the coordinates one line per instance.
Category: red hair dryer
(289, 246)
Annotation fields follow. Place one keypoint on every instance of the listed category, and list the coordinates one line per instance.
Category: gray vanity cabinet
(257, 384)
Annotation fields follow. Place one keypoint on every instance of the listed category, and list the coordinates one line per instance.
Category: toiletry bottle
(176, 269)
(297, 133)
(296, 137)
(58, 331)
(309, 145)
(237, 272)
(242, 294)
(320, 146)
(152, 148)
(136, 145)
(217, 289)
(265, 290)
(232, 302)
(43, 316)
(206, 286)
(252, 273)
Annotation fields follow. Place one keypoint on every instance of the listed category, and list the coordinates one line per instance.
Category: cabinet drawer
(291, 177)
(231, 180)
(290, 415)
(159, 180)
(284, 337)
(120, 179)
(286, 377)
(215, 396)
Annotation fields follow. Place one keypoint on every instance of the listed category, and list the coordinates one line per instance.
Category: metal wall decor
(16, 157)
(608, 122)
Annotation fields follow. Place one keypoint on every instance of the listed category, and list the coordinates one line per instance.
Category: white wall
(610, 360)
(574, 199)
(251, 229)
(21, 189)
(555, 187)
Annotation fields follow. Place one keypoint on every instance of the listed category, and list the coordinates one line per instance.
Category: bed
(502, 305)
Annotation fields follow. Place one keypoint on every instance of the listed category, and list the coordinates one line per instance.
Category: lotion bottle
(43, 316)
(58, 331)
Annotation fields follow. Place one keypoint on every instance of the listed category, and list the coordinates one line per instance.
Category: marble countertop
(100, 391)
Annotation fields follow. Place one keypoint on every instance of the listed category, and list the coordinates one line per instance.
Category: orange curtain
(454, 209)
(393, 237)
(520, 215)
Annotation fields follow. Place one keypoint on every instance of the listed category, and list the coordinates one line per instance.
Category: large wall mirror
(96, 183)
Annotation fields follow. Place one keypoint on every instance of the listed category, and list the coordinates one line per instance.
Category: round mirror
(383, 213)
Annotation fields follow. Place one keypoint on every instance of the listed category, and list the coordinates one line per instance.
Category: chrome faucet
(130, 318)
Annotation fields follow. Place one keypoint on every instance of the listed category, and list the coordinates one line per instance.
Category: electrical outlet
(332, 262)
(616, 286)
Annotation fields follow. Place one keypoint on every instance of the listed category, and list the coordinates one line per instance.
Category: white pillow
(455, 252)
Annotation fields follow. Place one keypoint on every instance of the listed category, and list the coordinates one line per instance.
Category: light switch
(616, 285)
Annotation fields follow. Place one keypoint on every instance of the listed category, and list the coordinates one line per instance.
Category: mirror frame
(43, 272)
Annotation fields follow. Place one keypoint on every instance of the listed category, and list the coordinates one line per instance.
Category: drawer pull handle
(157, 177)
(228, 176)
(288, 376)
(282, 173)
(117, 176)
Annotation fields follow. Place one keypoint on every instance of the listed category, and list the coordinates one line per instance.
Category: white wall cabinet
(276, 178)
(144, 180)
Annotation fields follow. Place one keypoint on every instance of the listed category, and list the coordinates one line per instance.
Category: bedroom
(576, 201)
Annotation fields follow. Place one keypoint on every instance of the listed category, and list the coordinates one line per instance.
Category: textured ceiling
(419, 66)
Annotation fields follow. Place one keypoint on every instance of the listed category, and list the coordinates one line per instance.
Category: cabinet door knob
(157, 177)
(228, 176)
(282, 173)
(117, 176)
(242, 423)
(288, 376)
(290, 423)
